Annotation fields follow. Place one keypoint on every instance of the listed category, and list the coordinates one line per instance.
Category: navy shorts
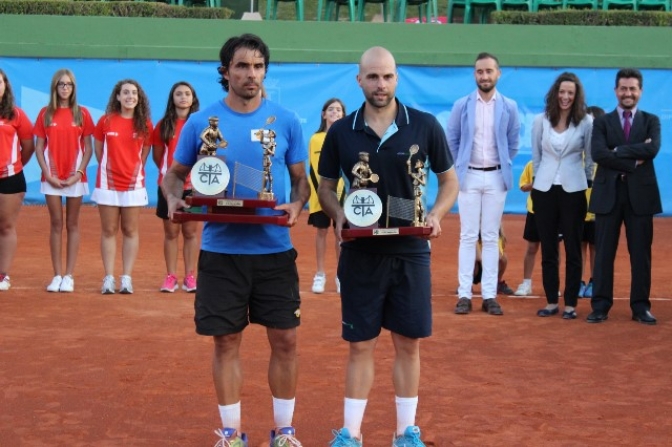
(14, 184)
(320, 219)
(385, 291)
(236, 290)
(162, 204)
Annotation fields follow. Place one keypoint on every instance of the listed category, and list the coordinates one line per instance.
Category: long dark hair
(72, 100)
(578, 111)
(7, 101)
(323, 121)
(141, 112)
(167, 127)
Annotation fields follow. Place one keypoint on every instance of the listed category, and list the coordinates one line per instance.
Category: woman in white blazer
(563, 169)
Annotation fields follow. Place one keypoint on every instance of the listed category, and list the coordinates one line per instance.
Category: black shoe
(547, 312)
(463, 306)
(645, 318)
(492, 307)
(597, 316)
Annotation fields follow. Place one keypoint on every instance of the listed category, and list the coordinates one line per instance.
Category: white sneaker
(67, 285)
(126, 285)
(338, 285)
(523, 290)
(108, 285)
(319, 282)
(55, 284)
(4, 282)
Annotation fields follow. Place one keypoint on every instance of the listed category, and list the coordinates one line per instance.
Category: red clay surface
(84, 369)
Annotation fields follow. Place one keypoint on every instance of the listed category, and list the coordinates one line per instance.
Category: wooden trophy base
(354, 233)
(230, 210)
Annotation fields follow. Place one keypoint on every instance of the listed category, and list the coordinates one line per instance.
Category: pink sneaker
(189, 283)
(169, 284)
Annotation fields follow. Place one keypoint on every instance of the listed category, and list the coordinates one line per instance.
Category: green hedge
(585, 17)
(110, 9)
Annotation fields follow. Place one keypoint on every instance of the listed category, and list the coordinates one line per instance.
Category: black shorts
(319, 219)
(385, 291)
(13, 184)
(589, 232)
(530, 233)
(235, 290)
(162, 204)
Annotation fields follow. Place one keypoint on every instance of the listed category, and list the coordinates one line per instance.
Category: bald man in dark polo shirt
(385, 282)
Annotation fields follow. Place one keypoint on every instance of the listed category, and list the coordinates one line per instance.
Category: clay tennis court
(85, 369)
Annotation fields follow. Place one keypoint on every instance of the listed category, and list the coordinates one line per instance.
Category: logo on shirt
(112, 134)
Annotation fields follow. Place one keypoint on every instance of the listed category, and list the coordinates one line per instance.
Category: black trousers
(639, 234)
(557, 211)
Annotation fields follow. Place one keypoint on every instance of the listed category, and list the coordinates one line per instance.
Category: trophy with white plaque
(363, 207)
(210, 177)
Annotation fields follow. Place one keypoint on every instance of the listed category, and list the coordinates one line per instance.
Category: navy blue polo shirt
(387, 158)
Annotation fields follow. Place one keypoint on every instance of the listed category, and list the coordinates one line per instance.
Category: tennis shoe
(126, 285)
(342, 438)
(4, 282)
(67, 285)
(284, 437)
(523, 290)
(410, 438)
(229, 438)
(55, 284)
(108, 285)
(319, 281)
(189, 283)
(169, 284)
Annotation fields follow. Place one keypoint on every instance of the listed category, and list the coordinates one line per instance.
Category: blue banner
(304, 88)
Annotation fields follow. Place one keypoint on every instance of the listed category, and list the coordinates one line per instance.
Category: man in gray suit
(483, 134)
(625, 190)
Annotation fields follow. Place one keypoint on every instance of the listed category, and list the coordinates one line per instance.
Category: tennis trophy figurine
(267, 139)
(419, 177)
(210, 177)
(363, 208)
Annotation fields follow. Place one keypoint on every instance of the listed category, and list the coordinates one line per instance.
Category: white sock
(551, 306)
(230, 415)
(353, 414)
(569, 308)
(283, 412)
(527, 282)
(406, 407)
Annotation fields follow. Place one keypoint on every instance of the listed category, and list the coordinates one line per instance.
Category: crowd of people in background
(575, 149)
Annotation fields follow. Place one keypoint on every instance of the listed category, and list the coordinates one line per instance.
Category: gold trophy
(267, 139)
(361, 206)
(210, 177)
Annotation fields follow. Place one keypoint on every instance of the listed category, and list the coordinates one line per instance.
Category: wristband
(80, 171)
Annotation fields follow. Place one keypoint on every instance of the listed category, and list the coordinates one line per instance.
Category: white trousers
(481, 205)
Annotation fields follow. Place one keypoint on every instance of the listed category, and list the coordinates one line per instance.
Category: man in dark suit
(625, 190)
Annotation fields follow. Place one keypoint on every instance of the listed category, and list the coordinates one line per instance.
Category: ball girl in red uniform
(182, 101)
(16, 148)
(63, 149)
(122, 140)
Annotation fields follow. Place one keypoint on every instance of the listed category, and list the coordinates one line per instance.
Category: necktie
(626, 124)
